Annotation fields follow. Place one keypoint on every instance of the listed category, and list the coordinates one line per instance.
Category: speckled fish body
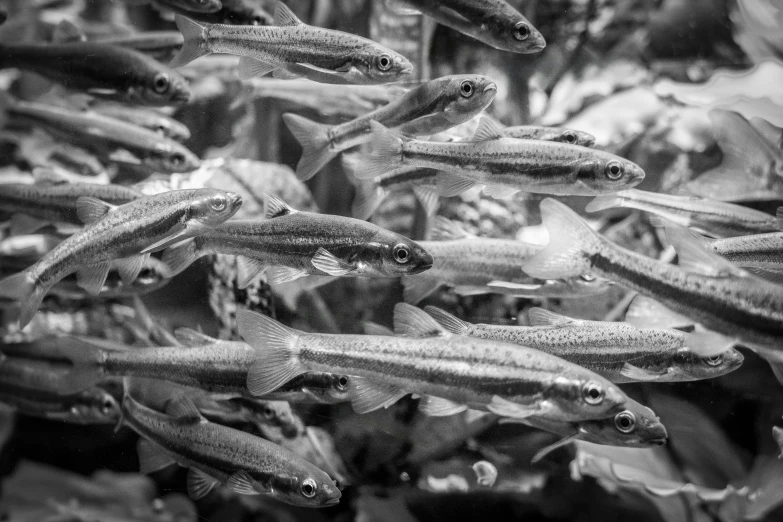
(716, 295)
(714, 218)
(607, 348)
(462, 370)
(93, 406)
(558, 134)
(100, 132)
(100, 69)
(160, 45)
(760, 253)
(243, 462)
(147, 118)
(312, 387)
(154, 275)
(31, 374)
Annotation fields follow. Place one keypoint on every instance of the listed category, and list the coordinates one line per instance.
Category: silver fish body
(147, 118)
(92, 406)
(160, 45)
(758, 253)
(154, 275)
(558, 134)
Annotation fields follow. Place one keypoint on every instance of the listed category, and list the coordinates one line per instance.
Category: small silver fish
(710, 217)
(129, 232)
(93, 406)
(760, 254)
(451, 373)
(432, 107)
(154, 275)
(558, 134)
(147, 118)
(504, 166)
(323, 54)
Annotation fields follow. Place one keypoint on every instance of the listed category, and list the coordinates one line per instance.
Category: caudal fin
(386, 154)
(571, 240)
(194, 45)
(85, 358)
(314, 138)
(21, 287)
(181, 256)
(275, 346)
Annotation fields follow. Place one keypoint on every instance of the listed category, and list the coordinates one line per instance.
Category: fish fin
(543, 452)
(284, 16)
(89, 210)
(327, 262)
(92, 277)
(22, 224)
(85, 358)
(314, 138)
(705, 343)
(777, 369)
(634, 373)
(468, 290)
(779, 217)
(428, 197)
(449, 322)
(275, 346)
(694, 256)
(252, 68)
(190, 337)
(770, 132)
(368, 196)
(241, 482)
(183, 409)
(416, 288)
(67, 32)
(152, 457)
(370, 328)
(604, 202)
(521, 289)
(443, 229)
(275, 207)
(193, 46)
(741, 144)
(725, 183)
(367, 395)
(453, 185)
(276, 275)
(130, 267)
(773, 276)
(285, 74)
(487, 130)
(540, 317)
(439, 407)
(505, 408)
(499, 191)
(414, 322)
(21, 287)
(645, 312)
(248, 269)
(181, 256)
(177, 233)
(571, 240)
(385, 155)
(199, 484)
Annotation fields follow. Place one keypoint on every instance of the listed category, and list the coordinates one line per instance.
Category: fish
(492, 22)
(290, 244)
(93, 406)
(752, 167)
(370, 193)
(52, 200)
(100, 70)
(112, 138)
(129, 232)
(760, 254)
(432, 107)
(147, 118)
(154, 275)
(43, 375)
(475, 265)
(194, 6)
(772, 133)
(27, 246)
(232, 12)
(618, 351)
(706, 216)
(558, 134)
(259, 412)
(504, 166)
(219, 455)
(323, 54)
(451, 373)
(703, 286)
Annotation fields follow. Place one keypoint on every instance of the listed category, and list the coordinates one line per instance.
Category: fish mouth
(492, 87)
(181, 96)
(657, 442)
(332, 501)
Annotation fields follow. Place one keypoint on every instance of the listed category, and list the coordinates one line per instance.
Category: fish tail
(446, 320)
(386, 154)
(604, 202)
(367, 198)
(22, 287)
(314, 138)
(194, 45)
(181, 256)
(85, 358)
(571, 242)
(275, 346)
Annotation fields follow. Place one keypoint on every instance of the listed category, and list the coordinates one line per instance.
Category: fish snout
(234, 200)
(491, 87)
(635, 173)
(404, 65)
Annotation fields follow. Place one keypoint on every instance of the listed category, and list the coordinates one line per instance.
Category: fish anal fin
(330, 264)
(248, 269)
(367, 395)
(417, 287)
(428, 197)
(445, 229)
(414, 322)
(130, 267)
(152, 457)
(199, 484)
(487, 130)
(283, 274)
(505, 408)
(543, 452)
(694, 256)
(92, 277)
(439, 407)
(252, 68)
(451, 185)
(183, 409)
(241, 482)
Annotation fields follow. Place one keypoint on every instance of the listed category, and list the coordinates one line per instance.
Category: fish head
(465, 95)
(398, 255)
(583, 285)
(604, 173)
(595, 398)
(511, 32)
(172, 158)
(382, 65)
(338, 389)
(211, 207)
(688, 366)
(636, 426)
(308, 486)
(163, 86)
(99, 407)
(575, 137)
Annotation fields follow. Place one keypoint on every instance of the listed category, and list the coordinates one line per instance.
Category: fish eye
(177, 159)
(614, 170)
(217, 203)
(587, 277)
(268, 412)
(569, 137)
(342, 382)
(522, 31)
(466, 89)
(258, 20)
(309, 488)
(625, 422)
(402, 254)
(593, 393)
(161, 83)
(384, 62)
(714, 361)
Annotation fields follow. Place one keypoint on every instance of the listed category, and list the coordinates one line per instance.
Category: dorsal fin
(645, 312)
(67, 32)
(275, 207)
(190, 337)
(540, 317)
(91, 209)
(694, 256)
(487, 130)
(184, 409)
(450, 322)
(445, 229)
(413, 322)
(284, 15)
